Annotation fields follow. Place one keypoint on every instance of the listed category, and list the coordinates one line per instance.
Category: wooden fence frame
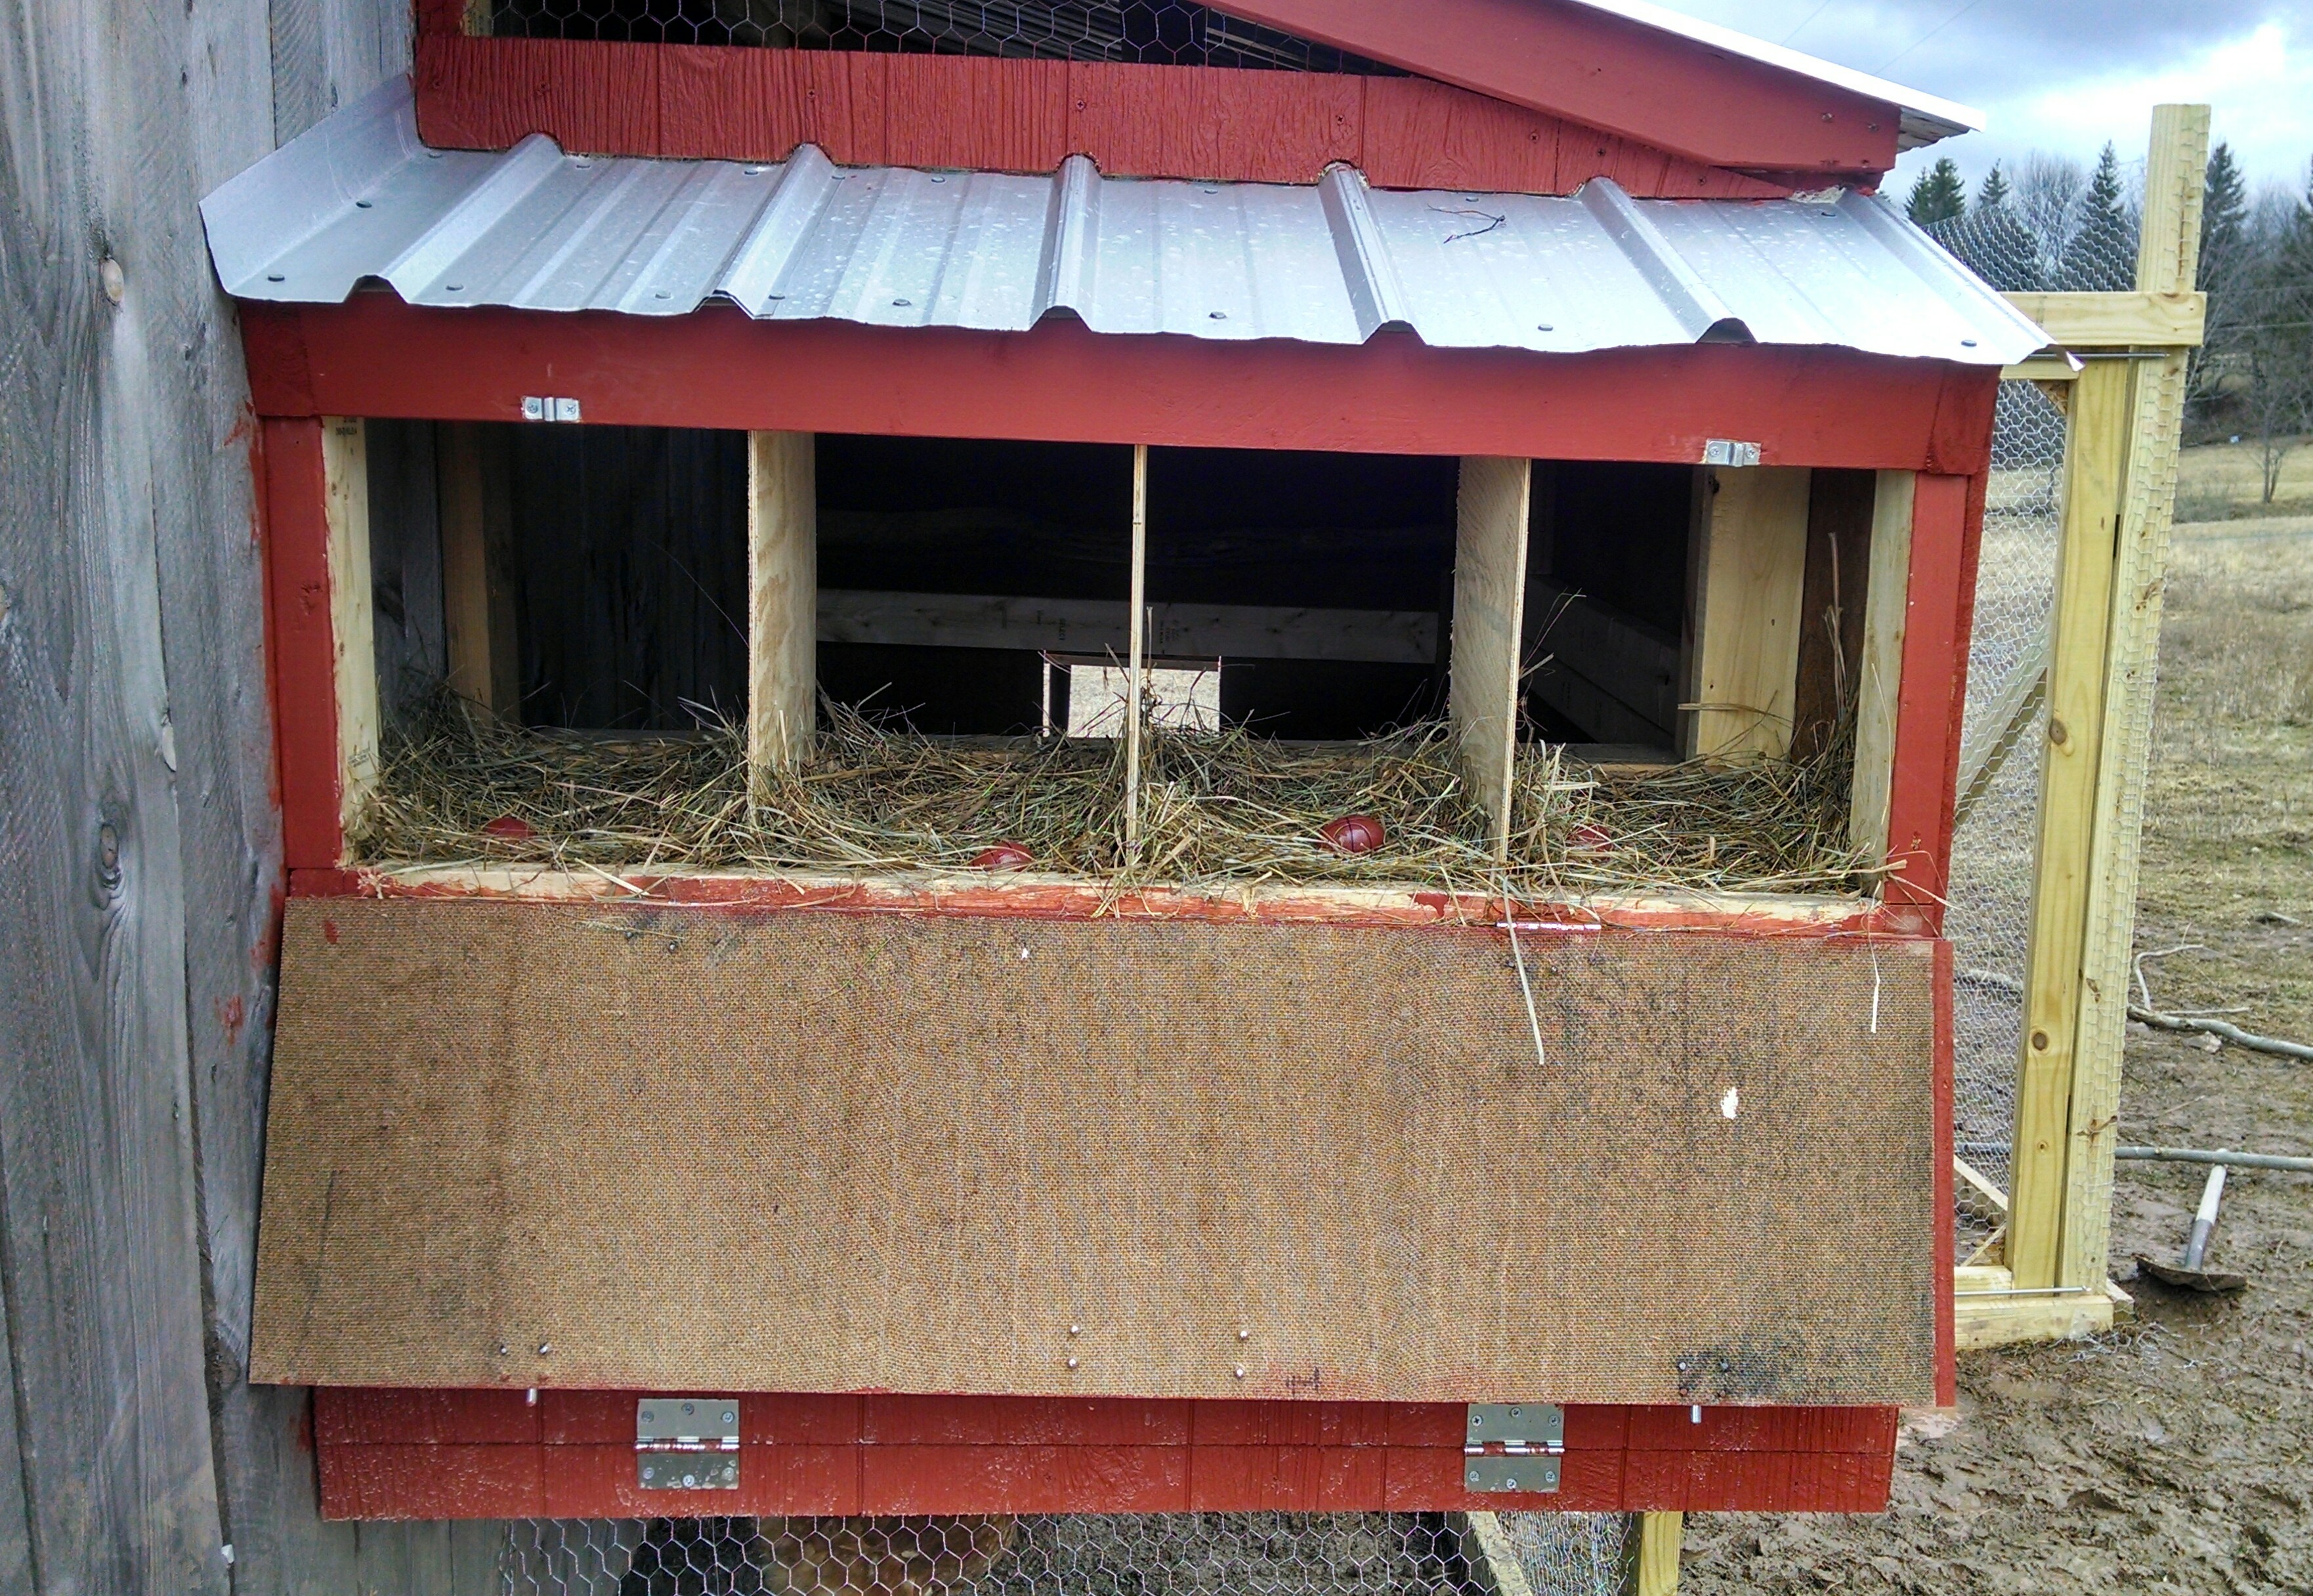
(2123, 404)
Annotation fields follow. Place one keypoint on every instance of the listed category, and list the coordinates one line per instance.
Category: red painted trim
(1946, 518)
(1611, 73)
(471, 1454)
(300, 649)
(1086, 900)
(999, 115)
(374, 355)
(1947, 1311)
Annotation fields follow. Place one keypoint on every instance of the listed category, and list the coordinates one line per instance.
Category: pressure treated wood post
(1660, 1534)
(782, 599)
(1490, 554)
(2167, 262)
(2120, 478)
(1748, 582)
(353, 621)
(474, 468)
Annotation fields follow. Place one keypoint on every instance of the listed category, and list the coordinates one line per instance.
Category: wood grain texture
(1659, 1543)
(396, 1454)
(405, 562)
(1004, 115)
(782, 602)
(352, 610)
(2099, 434)
(1885, 603)
(1832, 603)
(1750, 572)
(512, 1021)
(373, 355)
(481, 632)
(1947, 524)
(1486, 645)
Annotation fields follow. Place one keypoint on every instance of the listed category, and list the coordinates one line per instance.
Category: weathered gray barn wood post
(139, 846)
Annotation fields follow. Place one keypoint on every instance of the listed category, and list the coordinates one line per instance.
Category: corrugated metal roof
(360, 197)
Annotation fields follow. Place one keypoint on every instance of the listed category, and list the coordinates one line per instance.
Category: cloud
(2069, 74)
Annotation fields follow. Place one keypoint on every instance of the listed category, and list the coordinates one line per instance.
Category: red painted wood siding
(487, 1454)
(300, 652)
(1947, 523)
(1572, 61)
(987, 114)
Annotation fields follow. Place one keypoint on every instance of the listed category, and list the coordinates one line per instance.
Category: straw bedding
(1227, 808)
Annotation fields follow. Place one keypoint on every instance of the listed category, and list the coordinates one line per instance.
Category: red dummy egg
(1004, 855)
(1352, 834)
(508, 828)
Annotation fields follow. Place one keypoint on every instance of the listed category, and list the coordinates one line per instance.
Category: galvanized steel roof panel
(360, 197)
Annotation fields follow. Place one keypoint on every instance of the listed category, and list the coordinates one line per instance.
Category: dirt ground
(2171, 1455)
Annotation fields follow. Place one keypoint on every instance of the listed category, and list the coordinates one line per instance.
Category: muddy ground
(2171, 1455)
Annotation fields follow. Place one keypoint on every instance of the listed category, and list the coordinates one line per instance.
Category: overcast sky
(2067, 74)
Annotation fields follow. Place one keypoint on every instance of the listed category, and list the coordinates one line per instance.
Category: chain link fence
(1163, 32)
(1255, 1554)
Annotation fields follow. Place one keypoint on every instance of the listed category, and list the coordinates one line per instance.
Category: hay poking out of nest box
(1227, 808)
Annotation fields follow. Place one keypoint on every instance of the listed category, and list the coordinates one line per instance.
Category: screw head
(1072, 1363)
(545, 1347)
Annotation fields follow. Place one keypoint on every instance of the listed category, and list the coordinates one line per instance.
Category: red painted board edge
(1946, 518)
(717, 367)
(300, 647)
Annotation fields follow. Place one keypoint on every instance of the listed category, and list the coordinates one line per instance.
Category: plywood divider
(782, 599)
(1136, 647)
(1879, 670)
(1490, 554)
(353, 625)
(475, 481)
(1747, 577)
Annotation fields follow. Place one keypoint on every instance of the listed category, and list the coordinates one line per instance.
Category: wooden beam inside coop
(1228, 631)
(475, 476)
(1886, 599)
(1136, 651)
(1747, 575)
(1610, 673)
(782, 599)
(1490, 556)
(353, 638)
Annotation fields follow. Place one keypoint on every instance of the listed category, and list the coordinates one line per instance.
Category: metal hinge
(1729, 452)
(538, 407)
(1513, 1446)
(687, 1444)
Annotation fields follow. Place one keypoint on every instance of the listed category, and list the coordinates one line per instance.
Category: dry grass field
(2175, 1454)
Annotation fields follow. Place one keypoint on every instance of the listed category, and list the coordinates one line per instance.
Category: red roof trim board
(985, 114)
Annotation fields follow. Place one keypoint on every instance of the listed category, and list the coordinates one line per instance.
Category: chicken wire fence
(2057, 229)
(1162, 32)
(1254, 1554)
(2002, 739)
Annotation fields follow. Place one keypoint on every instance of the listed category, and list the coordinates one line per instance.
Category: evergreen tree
(1938, 195)
(2102, 253)
(2227, 275)
(2224, 216)
(1992, 192)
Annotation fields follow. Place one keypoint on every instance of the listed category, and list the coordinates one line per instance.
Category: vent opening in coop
(776, 651)
(1158, 32)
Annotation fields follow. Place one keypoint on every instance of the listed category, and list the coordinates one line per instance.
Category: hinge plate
(687, 1444)
(1540, 1424)
(1522, 1472)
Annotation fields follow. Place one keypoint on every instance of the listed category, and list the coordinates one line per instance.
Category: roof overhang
(361, 199)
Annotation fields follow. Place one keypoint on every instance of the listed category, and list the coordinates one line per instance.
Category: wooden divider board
(782, 599)
(1490, 554)
(353, 620)
(1748, 581)
(595, 1145)
(1887, 597)
(475, 482)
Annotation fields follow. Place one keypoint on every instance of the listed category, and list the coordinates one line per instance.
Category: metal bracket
(687, 1444)
(1729, 452)
(1512, 1446)
(547, 407)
